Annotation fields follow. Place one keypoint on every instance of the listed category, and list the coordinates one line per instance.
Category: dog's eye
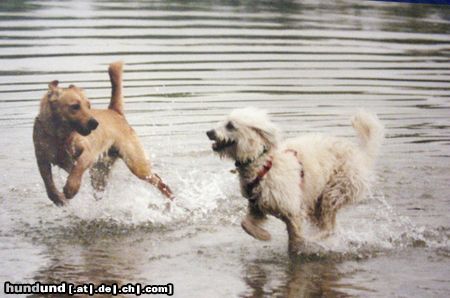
(75, 107)
(230, 126)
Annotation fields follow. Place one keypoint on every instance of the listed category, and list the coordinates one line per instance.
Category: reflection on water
(310, 63)
(301, 280)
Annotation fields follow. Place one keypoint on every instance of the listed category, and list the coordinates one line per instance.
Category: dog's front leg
(296, 241)
(73, 182)
(155, 180)
(253, 221)
(43, 151)
(45, 169)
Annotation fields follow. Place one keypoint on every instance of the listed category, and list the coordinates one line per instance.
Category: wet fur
(336, 171)
(66, 137)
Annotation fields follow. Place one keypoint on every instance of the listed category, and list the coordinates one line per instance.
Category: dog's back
(322, 155)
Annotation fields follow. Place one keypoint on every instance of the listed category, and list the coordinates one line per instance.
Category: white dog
(309, 177)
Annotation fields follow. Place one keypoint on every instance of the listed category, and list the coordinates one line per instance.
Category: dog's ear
(53, 85)
(77, 90)
(268, 134)
(53, 90)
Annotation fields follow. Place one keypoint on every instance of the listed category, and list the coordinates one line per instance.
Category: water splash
(204, 198)
(373, 226)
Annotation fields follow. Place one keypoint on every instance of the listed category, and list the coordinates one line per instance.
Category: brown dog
(71, 135)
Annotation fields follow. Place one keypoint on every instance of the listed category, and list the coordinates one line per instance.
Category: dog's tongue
(214, 146)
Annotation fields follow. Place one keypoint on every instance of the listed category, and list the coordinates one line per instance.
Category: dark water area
(311, 64)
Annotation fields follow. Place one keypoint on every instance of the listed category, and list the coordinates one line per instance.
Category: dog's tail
(370, 132)
(115, 76)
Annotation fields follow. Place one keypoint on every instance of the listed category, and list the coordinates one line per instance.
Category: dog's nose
(92, 124)
(211, 134)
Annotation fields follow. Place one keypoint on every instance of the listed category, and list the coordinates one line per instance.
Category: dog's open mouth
(219, 145)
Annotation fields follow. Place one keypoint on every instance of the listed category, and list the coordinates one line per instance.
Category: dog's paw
(69, 192)
(306, 250)
(59, 200)
(255, 231)
(71, 188)
(165, 189)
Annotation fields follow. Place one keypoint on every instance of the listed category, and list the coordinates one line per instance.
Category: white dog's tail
(370, 131)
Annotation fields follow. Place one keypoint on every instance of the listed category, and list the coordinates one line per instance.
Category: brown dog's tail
(115, 76)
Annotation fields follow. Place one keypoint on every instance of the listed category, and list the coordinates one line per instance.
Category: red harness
(302, 173)
(266, 168)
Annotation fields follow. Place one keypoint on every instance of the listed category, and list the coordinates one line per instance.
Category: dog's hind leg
(134, 157)
(253, 221)
(99, 175)
(327, 205)
(342, 189)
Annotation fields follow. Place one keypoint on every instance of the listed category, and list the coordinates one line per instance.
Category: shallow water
(310, 63)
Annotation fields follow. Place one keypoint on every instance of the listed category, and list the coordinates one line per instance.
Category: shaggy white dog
(309, 177)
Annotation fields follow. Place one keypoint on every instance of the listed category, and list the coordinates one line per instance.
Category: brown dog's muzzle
(92, 124)
(85, 130)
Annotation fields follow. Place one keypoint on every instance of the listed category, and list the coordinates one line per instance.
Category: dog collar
(246, 163)
(255, 182)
